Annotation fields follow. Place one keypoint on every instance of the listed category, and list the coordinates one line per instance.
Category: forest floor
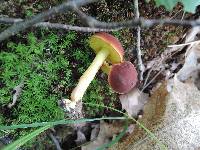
(37, 55)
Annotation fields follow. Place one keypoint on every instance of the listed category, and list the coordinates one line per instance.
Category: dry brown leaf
(133, 101)
(153, 113)
(95, 131)
(107, 131)
(173, 117)
(80, 138)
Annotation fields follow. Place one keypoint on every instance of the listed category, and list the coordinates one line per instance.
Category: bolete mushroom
(122, 77)
(107, 48)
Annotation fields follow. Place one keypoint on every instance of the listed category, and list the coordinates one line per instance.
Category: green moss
(50, 66)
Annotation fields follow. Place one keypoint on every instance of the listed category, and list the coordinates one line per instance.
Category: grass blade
(16, 144)
(12, 127)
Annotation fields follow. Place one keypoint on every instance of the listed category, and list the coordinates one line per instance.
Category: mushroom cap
(123, 77)
(106, 41)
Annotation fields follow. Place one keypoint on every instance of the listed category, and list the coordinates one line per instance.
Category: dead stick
(64, 7)
(140, 64)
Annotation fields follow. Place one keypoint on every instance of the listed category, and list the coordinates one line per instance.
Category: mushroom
(122, 77)
(107, 48)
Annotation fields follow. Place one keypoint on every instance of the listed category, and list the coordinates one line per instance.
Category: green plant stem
(25, 139)
(89, 75)
(39, 124)
(47, 125)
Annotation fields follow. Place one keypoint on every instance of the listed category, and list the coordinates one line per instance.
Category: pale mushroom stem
(89, 75)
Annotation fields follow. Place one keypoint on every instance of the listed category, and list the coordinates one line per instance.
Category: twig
(190, 36)
(184, 44)
(64, 7)
(183, 15)
(148, 75)
(70, 27)
(6, 20)
(145, 23)
(72, 5)
(55, 141)
(16, 95)
(151, 80)
(140, 64)
(159, 60)
(176, 14)
(88, 20)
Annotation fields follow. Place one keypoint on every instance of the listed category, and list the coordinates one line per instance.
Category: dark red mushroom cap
(123, 77)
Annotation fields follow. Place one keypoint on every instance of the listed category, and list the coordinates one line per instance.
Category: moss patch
(50, 65)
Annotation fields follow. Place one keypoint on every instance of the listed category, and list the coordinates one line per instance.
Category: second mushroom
(122, 77)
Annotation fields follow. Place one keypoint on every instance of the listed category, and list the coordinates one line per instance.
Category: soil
(154, 40)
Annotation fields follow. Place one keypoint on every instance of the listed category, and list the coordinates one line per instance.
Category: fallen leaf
(133, 101)
(173, 112)
(153, 112)
(80, 138)
(172, 117)
(95, 131)
(191, 65)
(106, 133)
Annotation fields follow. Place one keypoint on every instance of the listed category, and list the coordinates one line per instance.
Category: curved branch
(97, 25)
(5, 20)
(64, 7)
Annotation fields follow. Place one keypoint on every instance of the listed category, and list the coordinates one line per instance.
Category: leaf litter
(172, 111)
(133, 101)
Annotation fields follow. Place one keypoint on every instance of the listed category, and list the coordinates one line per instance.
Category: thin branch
(140, 64)
(141, 22)
(145, 23)
(184, 44)
(183, 15)
(64, 7)
(176, 14)
(152, 80)
(167, 53)
(5, 20)
(158, 61)
(70, 27)
(55, 141)
(88, 20)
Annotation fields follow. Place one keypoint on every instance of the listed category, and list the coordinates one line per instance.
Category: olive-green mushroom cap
(108, 42)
